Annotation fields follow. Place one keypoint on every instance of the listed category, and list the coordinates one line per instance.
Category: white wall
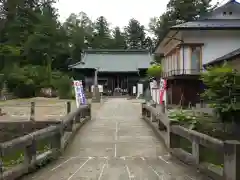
(216, 43)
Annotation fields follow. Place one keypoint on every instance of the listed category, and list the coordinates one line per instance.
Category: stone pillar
(96, 94)
(231, 160)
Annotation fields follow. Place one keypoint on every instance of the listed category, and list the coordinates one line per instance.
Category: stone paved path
(117, 145)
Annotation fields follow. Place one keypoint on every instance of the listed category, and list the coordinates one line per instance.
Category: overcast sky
(117, 13)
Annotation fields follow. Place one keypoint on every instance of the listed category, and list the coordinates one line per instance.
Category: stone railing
(56, 136)
(200, 146)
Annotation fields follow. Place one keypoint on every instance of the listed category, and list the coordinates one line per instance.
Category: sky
(117, 13)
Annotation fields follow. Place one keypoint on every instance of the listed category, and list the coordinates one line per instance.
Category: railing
(178, 72)
(218, 159)
(30, 147)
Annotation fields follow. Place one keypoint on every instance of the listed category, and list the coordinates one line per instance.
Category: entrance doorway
(120, 84)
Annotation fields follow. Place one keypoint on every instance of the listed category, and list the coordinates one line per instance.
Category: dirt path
(117, 145)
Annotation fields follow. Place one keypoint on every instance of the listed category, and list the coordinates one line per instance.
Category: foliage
(184, 118)
(26, 81)
(63, 84)
(34, 43)
(178, 12)
(155, 71)
(223, 87)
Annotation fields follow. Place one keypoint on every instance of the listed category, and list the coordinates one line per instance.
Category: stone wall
(11, 130)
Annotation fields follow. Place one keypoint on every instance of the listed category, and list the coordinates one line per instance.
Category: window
(196, 62)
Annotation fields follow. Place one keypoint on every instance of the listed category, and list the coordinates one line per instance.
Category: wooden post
(68, 107)
(32, 111)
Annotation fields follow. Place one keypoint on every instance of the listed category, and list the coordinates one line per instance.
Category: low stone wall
(11, 130)
(200, 144)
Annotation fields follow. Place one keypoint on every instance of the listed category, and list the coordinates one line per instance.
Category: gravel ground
(46, 108)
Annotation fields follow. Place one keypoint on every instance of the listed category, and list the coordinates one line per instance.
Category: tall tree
(79, 31)
(188, 10)
(160, 26)
(119, 41)
(178, 12)
(102, 34)
(135, 34)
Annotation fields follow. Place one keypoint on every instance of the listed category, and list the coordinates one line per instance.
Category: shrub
(26, 81)
(63, 84)
(154, 71)
(223, 87)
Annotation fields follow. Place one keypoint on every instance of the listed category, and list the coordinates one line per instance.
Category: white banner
(79, 93)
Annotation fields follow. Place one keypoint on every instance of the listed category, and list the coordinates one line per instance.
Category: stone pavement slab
(116, 145)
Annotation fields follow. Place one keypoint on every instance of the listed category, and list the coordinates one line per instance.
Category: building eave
(205, 28)
(227, 57)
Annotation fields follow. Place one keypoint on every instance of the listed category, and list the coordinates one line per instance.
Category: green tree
(101, 34)
(79, 31)
(188, 10)
(135, 34)
(119, 41)
(223, 87)
(155, 71)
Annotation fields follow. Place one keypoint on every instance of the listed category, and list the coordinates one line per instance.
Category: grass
(18, 156)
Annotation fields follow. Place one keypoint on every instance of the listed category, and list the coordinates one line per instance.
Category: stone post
(96, 94)
(153, 117)
(163, 108)
(56, 142)
(1, 162)
(68, 107)
(32, 111)
(195, 151)
(30, 152)
(231, 160)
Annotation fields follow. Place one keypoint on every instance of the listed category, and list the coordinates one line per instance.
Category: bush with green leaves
(26, 81)
(222, 91)
(155, 71)
(184, 117)
(63, 84)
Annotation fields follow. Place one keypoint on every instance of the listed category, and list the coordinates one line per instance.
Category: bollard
(32, 111)
(68, 107)
(163, 107)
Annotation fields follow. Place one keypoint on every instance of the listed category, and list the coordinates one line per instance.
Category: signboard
(100, 88)
(139, 89)
(134, 89)
(79, 93)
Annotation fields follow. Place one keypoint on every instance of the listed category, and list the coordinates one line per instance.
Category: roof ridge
(116, 51)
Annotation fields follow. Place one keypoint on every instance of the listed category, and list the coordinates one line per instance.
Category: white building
(188, 46)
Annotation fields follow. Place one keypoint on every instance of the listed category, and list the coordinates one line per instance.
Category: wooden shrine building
(117, 69)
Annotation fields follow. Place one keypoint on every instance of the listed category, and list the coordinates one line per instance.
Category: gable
(231, 10)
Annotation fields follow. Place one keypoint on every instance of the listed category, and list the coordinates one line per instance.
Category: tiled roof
(209, 24)
(115, 60)
(226, 57)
